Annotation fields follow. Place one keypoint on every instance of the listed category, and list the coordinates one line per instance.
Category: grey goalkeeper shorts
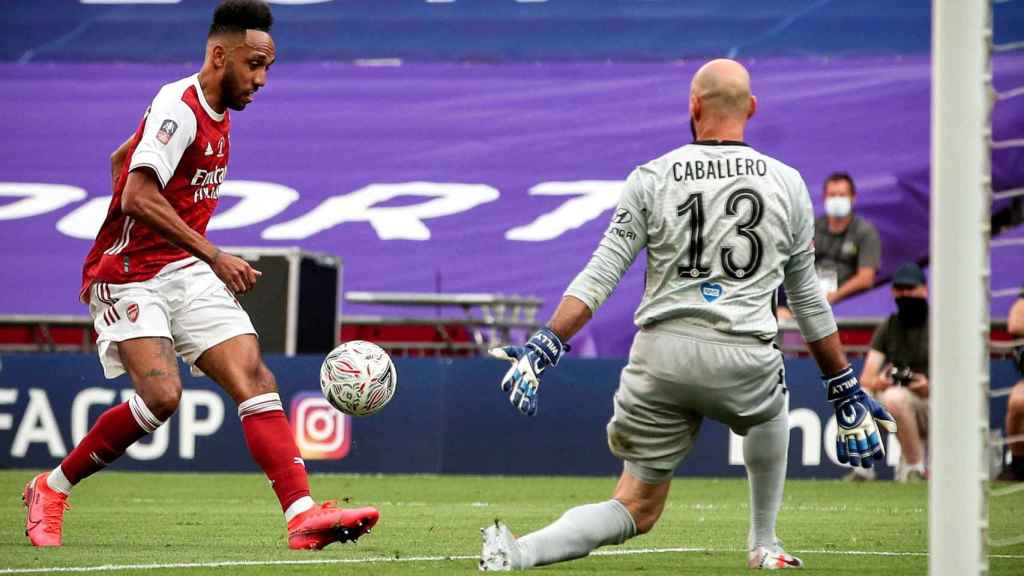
(676, 377)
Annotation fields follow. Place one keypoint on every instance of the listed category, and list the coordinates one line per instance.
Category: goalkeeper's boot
(772, 558)
(45, 514)
(501, 552)
(326, 523)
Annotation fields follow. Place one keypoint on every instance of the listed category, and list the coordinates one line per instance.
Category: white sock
(298, 507)
(903, 470)
(865, 473)
(579, 531)
(58, 481)
(765, 451)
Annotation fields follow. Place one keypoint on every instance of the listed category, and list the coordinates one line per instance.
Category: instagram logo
(321, 432)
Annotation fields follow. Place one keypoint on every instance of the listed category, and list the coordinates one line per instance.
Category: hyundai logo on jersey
(622, 216)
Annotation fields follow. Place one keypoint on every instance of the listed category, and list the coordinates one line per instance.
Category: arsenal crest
(132, 311)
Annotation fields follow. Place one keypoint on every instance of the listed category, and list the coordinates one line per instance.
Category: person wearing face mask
(848, 250)
(896, 369)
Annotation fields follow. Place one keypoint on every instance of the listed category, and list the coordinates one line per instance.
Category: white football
(358, 378)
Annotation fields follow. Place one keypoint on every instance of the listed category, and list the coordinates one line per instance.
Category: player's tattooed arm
(117, 159)
(143, 201)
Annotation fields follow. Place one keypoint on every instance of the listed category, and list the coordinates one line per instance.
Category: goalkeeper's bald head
(720, 95)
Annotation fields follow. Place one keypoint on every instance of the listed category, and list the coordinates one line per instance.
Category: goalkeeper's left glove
(522, 380)
(857, 414)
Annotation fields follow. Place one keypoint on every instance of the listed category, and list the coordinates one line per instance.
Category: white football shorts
(185, 302)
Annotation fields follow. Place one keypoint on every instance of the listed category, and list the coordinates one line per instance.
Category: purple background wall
(328, 129)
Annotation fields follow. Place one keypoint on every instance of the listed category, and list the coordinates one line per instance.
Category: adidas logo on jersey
(209, 150)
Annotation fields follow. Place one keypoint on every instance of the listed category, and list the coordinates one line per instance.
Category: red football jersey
(186, 143)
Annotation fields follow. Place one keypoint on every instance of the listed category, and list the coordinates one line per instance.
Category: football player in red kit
(157, 288)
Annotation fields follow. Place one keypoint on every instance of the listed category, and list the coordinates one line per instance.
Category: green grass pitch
(430, 525)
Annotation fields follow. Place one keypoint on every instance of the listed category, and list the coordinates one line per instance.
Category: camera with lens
(901, 375)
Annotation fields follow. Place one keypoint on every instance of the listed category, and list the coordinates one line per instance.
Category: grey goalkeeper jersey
(724, 226)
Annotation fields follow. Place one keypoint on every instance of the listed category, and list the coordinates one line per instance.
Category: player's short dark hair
(842, 177)
(237, 16)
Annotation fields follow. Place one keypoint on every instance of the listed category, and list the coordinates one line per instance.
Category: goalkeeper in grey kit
(724, 226)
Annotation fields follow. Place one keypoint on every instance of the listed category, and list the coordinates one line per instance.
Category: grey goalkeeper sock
(579, 531)
(765, 450)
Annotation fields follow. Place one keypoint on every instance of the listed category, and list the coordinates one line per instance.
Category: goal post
(960, 227)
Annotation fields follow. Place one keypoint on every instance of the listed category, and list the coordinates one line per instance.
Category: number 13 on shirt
(693, 208)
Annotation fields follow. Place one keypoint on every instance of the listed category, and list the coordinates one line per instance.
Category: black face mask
(911, 310)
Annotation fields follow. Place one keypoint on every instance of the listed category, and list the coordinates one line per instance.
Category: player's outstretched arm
(143, 201)
(614, 254)
(858, 441)
(542, 350)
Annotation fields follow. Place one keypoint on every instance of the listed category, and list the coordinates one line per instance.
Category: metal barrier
(488, 318)
(45, 333)
(498, 316)
(852, 332)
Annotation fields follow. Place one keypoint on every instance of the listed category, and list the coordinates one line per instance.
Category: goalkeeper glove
(543, 349)
(858, 416)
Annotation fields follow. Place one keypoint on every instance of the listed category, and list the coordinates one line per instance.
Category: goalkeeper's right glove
(522, 380)
(858, 440)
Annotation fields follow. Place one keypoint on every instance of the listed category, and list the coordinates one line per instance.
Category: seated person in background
(847, 248)
(896, 369)
(1014, 472)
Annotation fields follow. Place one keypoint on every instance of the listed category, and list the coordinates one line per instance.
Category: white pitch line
(230, 563)
(635, 551)
(410, 559)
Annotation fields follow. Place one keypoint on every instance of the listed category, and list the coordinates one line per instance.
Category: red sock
(114, 431)
(272, 445)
